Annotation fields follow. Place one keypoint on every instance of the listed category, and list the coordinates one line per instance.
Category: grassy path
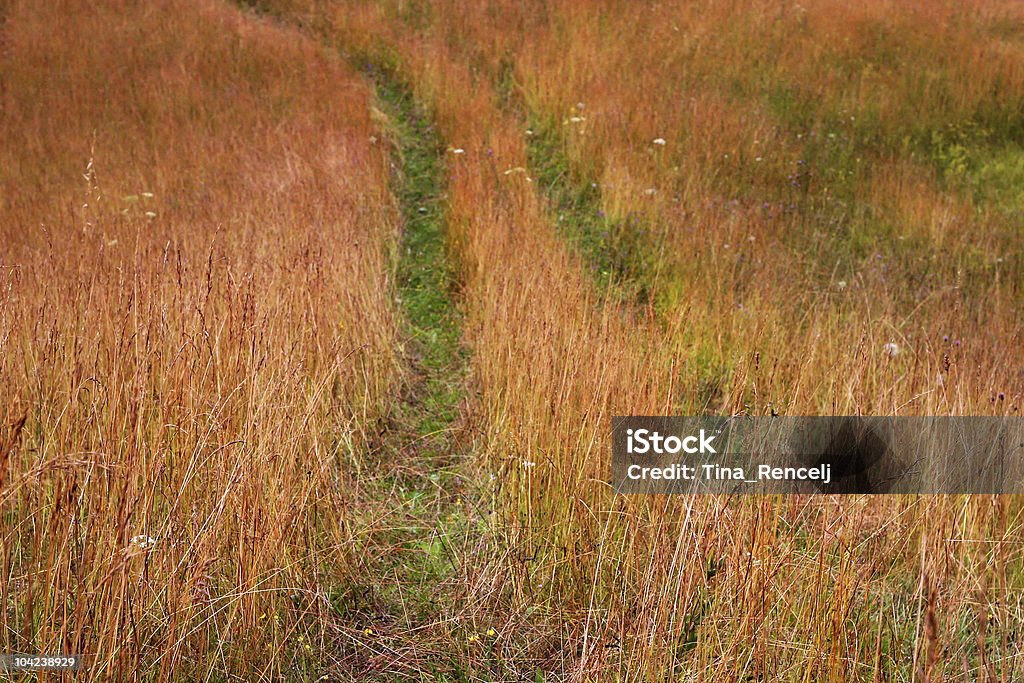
(417, 556)
(406, 611)
(619, 251)
(425, 277)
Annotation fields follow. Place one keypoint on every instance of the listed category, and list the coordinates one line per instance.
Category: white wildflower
(143, 541)
(891, 349)
(659, 141)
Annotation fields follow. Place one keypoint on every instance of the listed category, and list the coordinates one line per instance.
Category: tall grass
(183, 376)
(811, 196)
(196, 337)
(787, 306)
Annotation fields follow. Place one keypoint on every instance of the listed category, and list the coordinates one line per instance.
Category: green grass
(621, 252)
(426, 280)
(414, 557)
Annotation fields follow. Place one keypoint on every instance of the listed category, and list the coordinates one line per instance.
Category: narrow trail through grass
(620, 252)
(417, 554)
(404, 611)
(424, 276)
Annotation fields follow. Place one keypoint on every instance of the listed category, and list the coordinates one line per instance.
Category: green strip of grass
(425, 275)
(416, 558)
(621, 253)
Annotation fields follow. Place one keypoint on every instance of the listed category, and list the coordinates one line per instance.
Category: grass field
(314, 315)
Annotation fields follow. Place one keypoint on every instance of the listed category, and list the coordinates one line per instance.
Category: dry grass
(212, 375)
(714, 589)
(197, 333)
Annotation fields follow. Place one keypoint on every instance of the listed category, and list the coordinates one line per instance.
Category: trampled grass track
(551, 362)
(619, 253)
(423, 547)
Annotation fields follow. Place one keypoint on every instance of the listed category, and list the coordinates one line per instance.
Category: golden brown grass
(210, 375)
(196, 330)
(713, 589)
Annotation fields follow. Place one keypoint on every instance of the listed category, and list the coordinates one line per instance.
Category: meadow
(314, 315)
